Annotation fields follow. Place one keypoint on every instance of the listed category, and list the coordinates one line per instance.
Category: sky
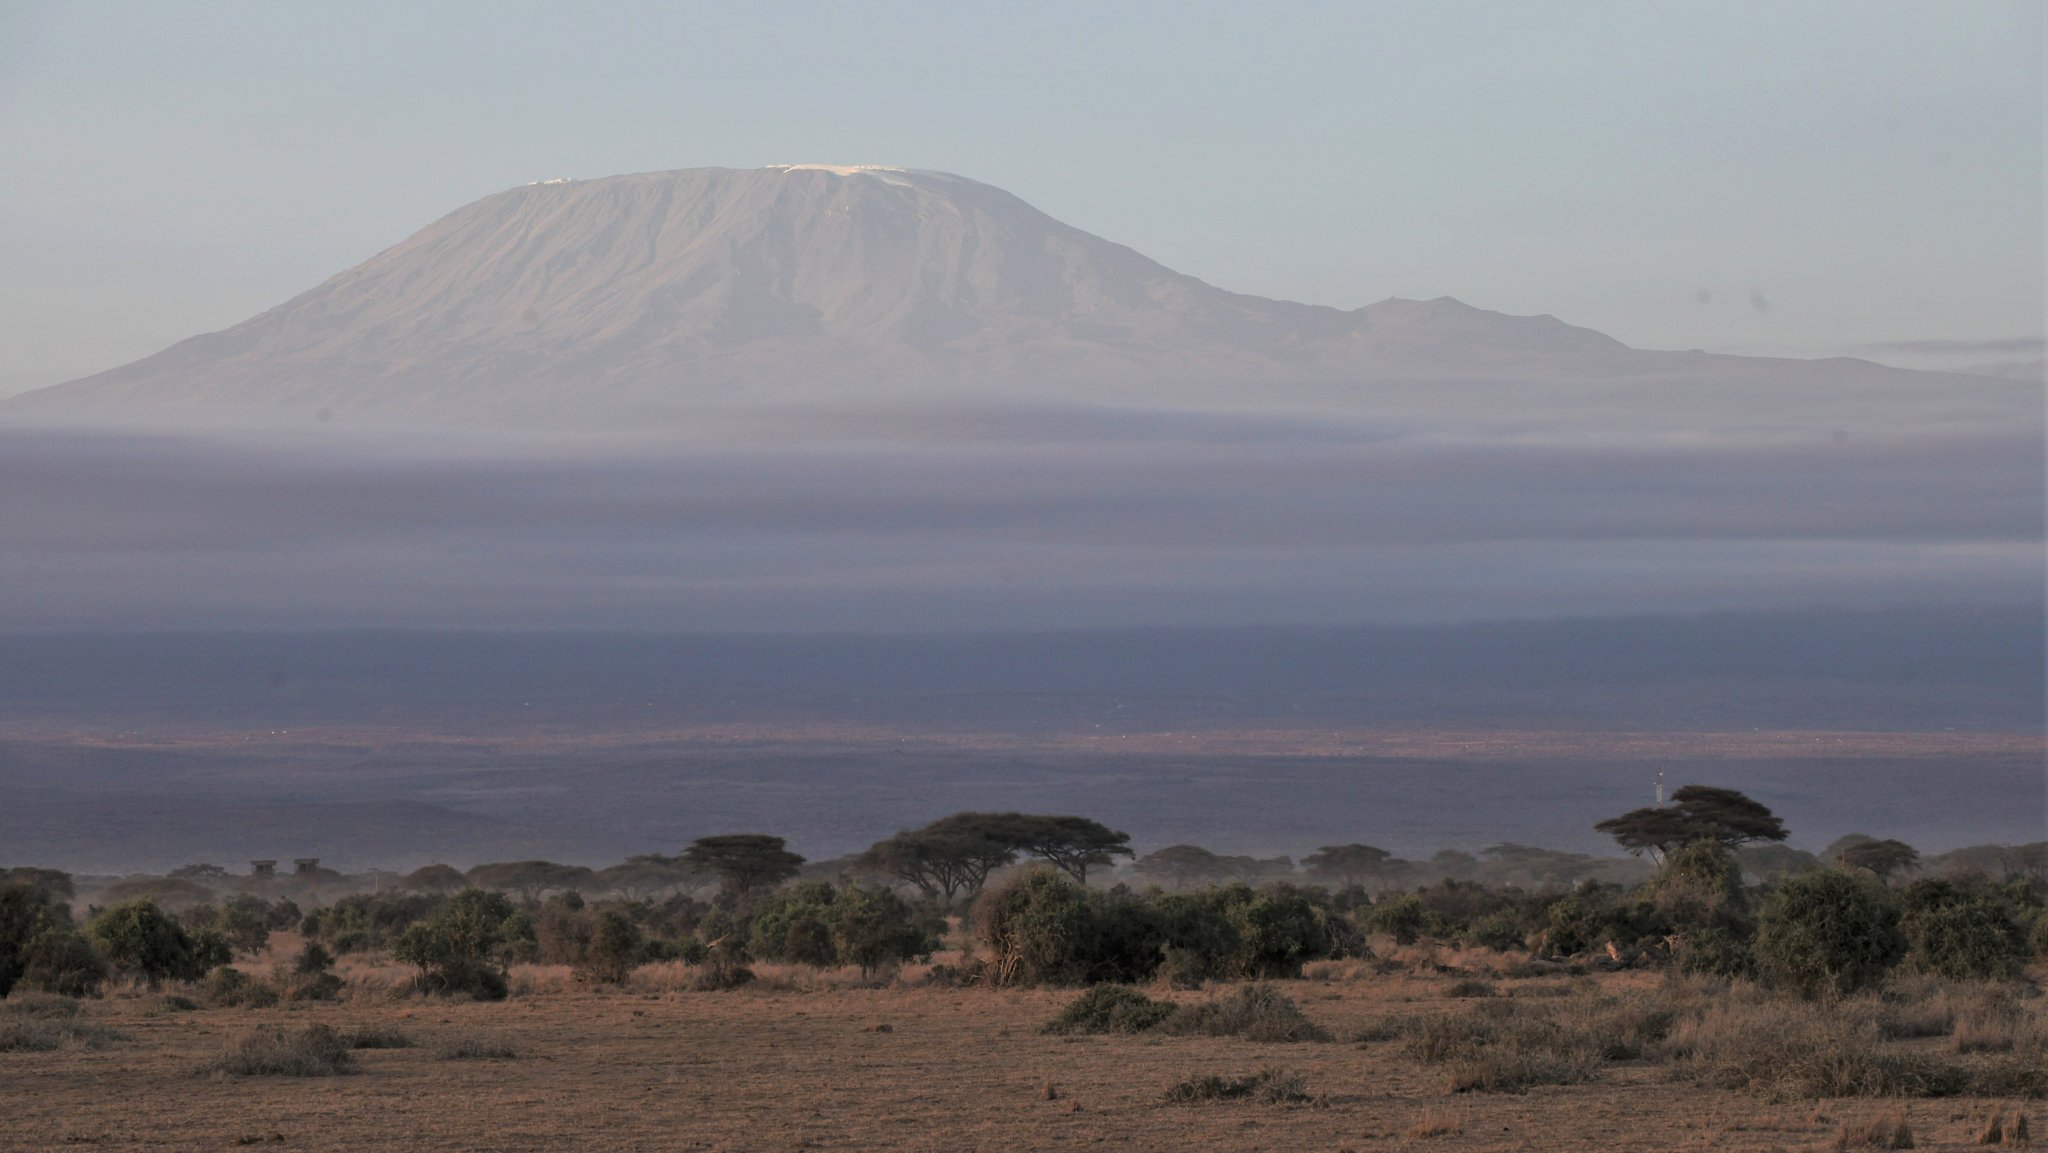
(1804, 179)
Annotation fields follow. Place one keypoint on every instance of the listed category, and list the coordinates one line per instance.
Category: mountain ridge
(651, 293)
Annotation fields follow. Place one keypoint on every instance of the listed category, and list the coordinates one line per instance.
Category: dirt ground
(897, 1068)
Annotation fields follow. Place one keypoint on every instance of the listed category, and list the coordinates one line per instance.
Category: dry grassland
(806, 1061)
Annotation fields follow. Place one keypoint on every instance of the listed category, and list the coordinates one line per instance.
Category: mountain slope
(647, 296)
(703, 281)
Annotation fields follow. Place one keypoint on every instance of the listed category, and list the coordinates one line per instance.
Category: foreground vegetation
(1885, 980)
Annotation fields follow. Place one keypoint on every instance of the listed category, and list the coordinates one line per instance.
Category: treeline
(1021, 896)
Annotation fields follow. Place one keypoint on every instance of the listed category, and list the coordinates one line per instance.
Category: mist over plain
(997, 518)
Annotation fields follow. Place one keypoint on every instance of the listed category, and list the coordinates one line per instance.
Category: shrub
(454, 951)
(1828, 933)
(1254, 1012)
(1716, 951)
(245, 922)
(378, 1037)
(39, 1006)
(1470, 987)
(1110, 1009)
(615, 948)
(1497, 931)
(27, 911)
(1963, 935)
(315, 1051)
(792, 926)
(1040, 929)
(1791, 1052)
(873, 927)
(1279, 926)
(1402, 916)
(362, 921)
(308, 978)
(226, 987)
(63, 960)
(1269, 1086)
(140, 938)
(45, 1034)
(1516, 1068)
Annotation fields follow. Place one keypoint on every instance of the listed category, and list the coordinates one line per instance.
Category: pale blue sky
(1801, 178)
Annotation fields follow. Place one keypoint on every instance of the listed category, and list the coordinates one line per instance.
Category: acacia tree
(434, 879)
(1072, 845)
(744, 861)
(528, 878)
(1696, 813)
(1881, 858)
(948, 858)
(1178, 865)
(645, 875)
(1346, 865)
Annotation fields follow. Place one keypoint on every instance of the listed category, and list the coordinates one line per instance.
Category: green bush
(1110, 1009)
(872, 927)
(63, 961)
(27, 911)
(1497, 931)
(232, 988)
(456, 951)
(1043, 929)
(792, 926)
(140, 938)
(1828, 934)
(615, 949)
(1962, 934)
(362, 921)
(1256, 1012)
(1402, 916)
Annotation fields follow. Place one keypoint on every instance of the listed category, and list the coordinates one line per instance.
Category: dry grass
(964, 1068)
(49, 1034)
(314, 1051)
(1886, 1131)
(1435, 1123)
(477, 1047)
(377, 1037)
(2008, 1127)
(1267, 1086)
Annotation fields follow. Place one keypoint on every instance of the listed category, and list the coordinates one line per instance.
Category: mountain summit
(706, 284)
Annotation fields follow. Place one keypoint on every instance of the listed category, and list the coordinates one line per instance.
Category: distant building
(305, 865)
(263, 868)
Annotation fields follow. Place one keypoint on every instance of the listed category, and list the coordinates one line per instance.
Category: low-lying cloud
(998, 520)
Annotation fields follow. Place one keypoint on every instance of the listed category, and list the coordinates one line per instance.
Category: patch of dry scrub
(1256, 1012)
(1888, 1131)
(315, 1051)
(1267, 1086)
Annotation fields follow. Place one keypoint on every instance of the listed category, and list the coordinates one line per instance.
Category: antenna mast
(1660, 786)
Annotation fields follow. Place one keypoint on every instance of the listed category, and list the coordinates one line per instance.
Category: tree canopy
(950, 857)
(1696, 813)
(528, 878)
(1072, 845)
(1881, 858)
(1351, 864)
(744, 861)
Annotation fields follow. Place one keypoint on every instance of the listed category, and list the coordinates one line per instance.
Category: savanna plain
(1420, 1046)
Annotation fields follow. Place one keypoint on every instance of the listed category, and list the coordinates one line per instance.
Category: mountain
(631, 295)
